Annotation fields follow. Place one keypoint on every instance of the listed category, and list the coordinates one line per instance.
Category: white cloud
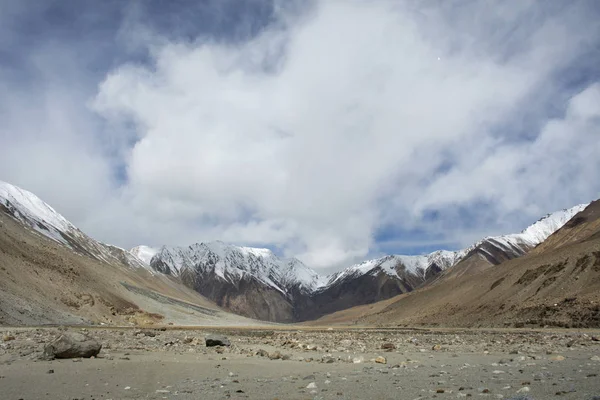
(314, 134)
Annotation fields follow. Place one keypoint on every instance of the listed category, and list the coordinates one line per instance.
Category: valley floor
(293, 362)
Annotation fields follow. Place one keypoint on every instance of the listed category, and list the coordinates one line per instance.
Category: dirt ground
(305, 363)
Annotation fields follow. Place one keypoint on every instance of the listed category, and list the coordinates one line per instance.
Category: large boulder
(72, 345)
(217, 340)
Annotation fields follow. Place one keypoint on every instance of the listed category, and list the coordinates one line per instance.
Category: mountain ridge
(255, 282)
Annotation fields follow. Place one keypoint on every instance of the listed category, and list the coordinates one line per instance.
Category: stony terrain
(305, 363)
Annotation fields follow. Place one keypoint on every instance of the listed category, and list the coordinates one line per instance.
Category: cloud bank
(333, 130)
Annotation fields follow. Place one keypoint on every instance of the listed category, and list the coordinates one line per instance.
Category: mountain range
(256, 283)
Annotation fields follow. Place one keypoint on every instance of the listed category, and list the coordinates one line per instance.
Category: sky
(328, 130)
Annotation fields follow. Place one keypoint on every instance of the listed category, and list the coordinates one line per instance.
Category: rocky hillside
(52, 273)
(494, 250)
(249, 281)
(556, 284)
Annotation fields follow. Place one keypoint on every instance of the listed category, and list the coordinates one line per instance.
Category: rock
(381, 360)
(357, 360)
(7, 338)
(188, 340)
(327, 360)
(72, 345)
(388, 346)
(217, 340)
(524, 389)
(596, 338)
(595, 358)
(262, 353)
(50, 371)
(311, 385)
(440, 391)
(276, 355)
(436, 347)
(557, 358)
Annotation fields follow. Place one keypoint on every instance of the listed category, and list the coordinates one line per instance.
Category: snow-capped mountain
(236, 277)
(496, 249)
(231, 263)
(257, 283)
(398, 265)
(34, 213)
(251, 281)
(425, 266)
(144, 253)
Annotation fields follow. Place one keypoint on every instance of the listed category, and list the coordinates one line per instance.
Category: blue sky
(331, 130)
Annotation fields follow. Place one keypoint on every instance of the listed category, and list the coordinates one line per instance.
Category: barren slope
(43, 282)
(558, 284)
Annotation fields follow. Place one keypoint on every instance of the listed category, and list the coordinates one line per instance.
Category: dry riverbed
(303, 363)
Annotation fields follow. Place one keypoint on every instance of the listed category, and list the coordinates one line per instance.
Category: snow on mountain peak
(546, 226)
(393, 265)
(231, 262)
(27, 206)
(144, 253)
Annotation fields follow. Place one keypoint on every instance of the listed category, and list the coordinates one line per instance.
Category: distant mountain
(494, 250)
(250, 281)
(256, 283)
(557, 283)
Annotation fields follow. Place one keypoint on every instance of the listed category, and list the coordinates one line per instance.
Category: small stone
(127, 388)
(381, 360)
(276, 355)
(595, 358)
(596, 338)
(217, 340)
(239, 391)
(440, 391)
(311, 385)
(327, 360)
(388, 346)
(436, 347)
(557, 358)
(7, 338)
(262, 353)
(524, 389)
(163, 391)
(357, 360)
(50, 371)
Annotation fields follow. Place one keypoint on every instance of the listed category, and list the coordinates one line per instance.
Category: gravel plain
(295, 362)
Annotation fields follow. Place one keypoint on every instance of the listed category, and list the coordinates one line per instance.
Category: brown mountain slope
(582, 227)
(558, 284)
(43, 282)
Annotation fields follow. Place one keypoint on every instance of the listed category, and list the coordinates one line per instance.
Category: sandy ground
(318, 364)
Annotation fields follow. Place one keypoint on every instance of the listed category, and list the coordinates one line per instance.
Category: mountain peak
(30, 209)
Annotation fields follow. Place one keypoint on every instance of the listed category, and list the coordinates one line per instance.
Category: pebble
(381, 360)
